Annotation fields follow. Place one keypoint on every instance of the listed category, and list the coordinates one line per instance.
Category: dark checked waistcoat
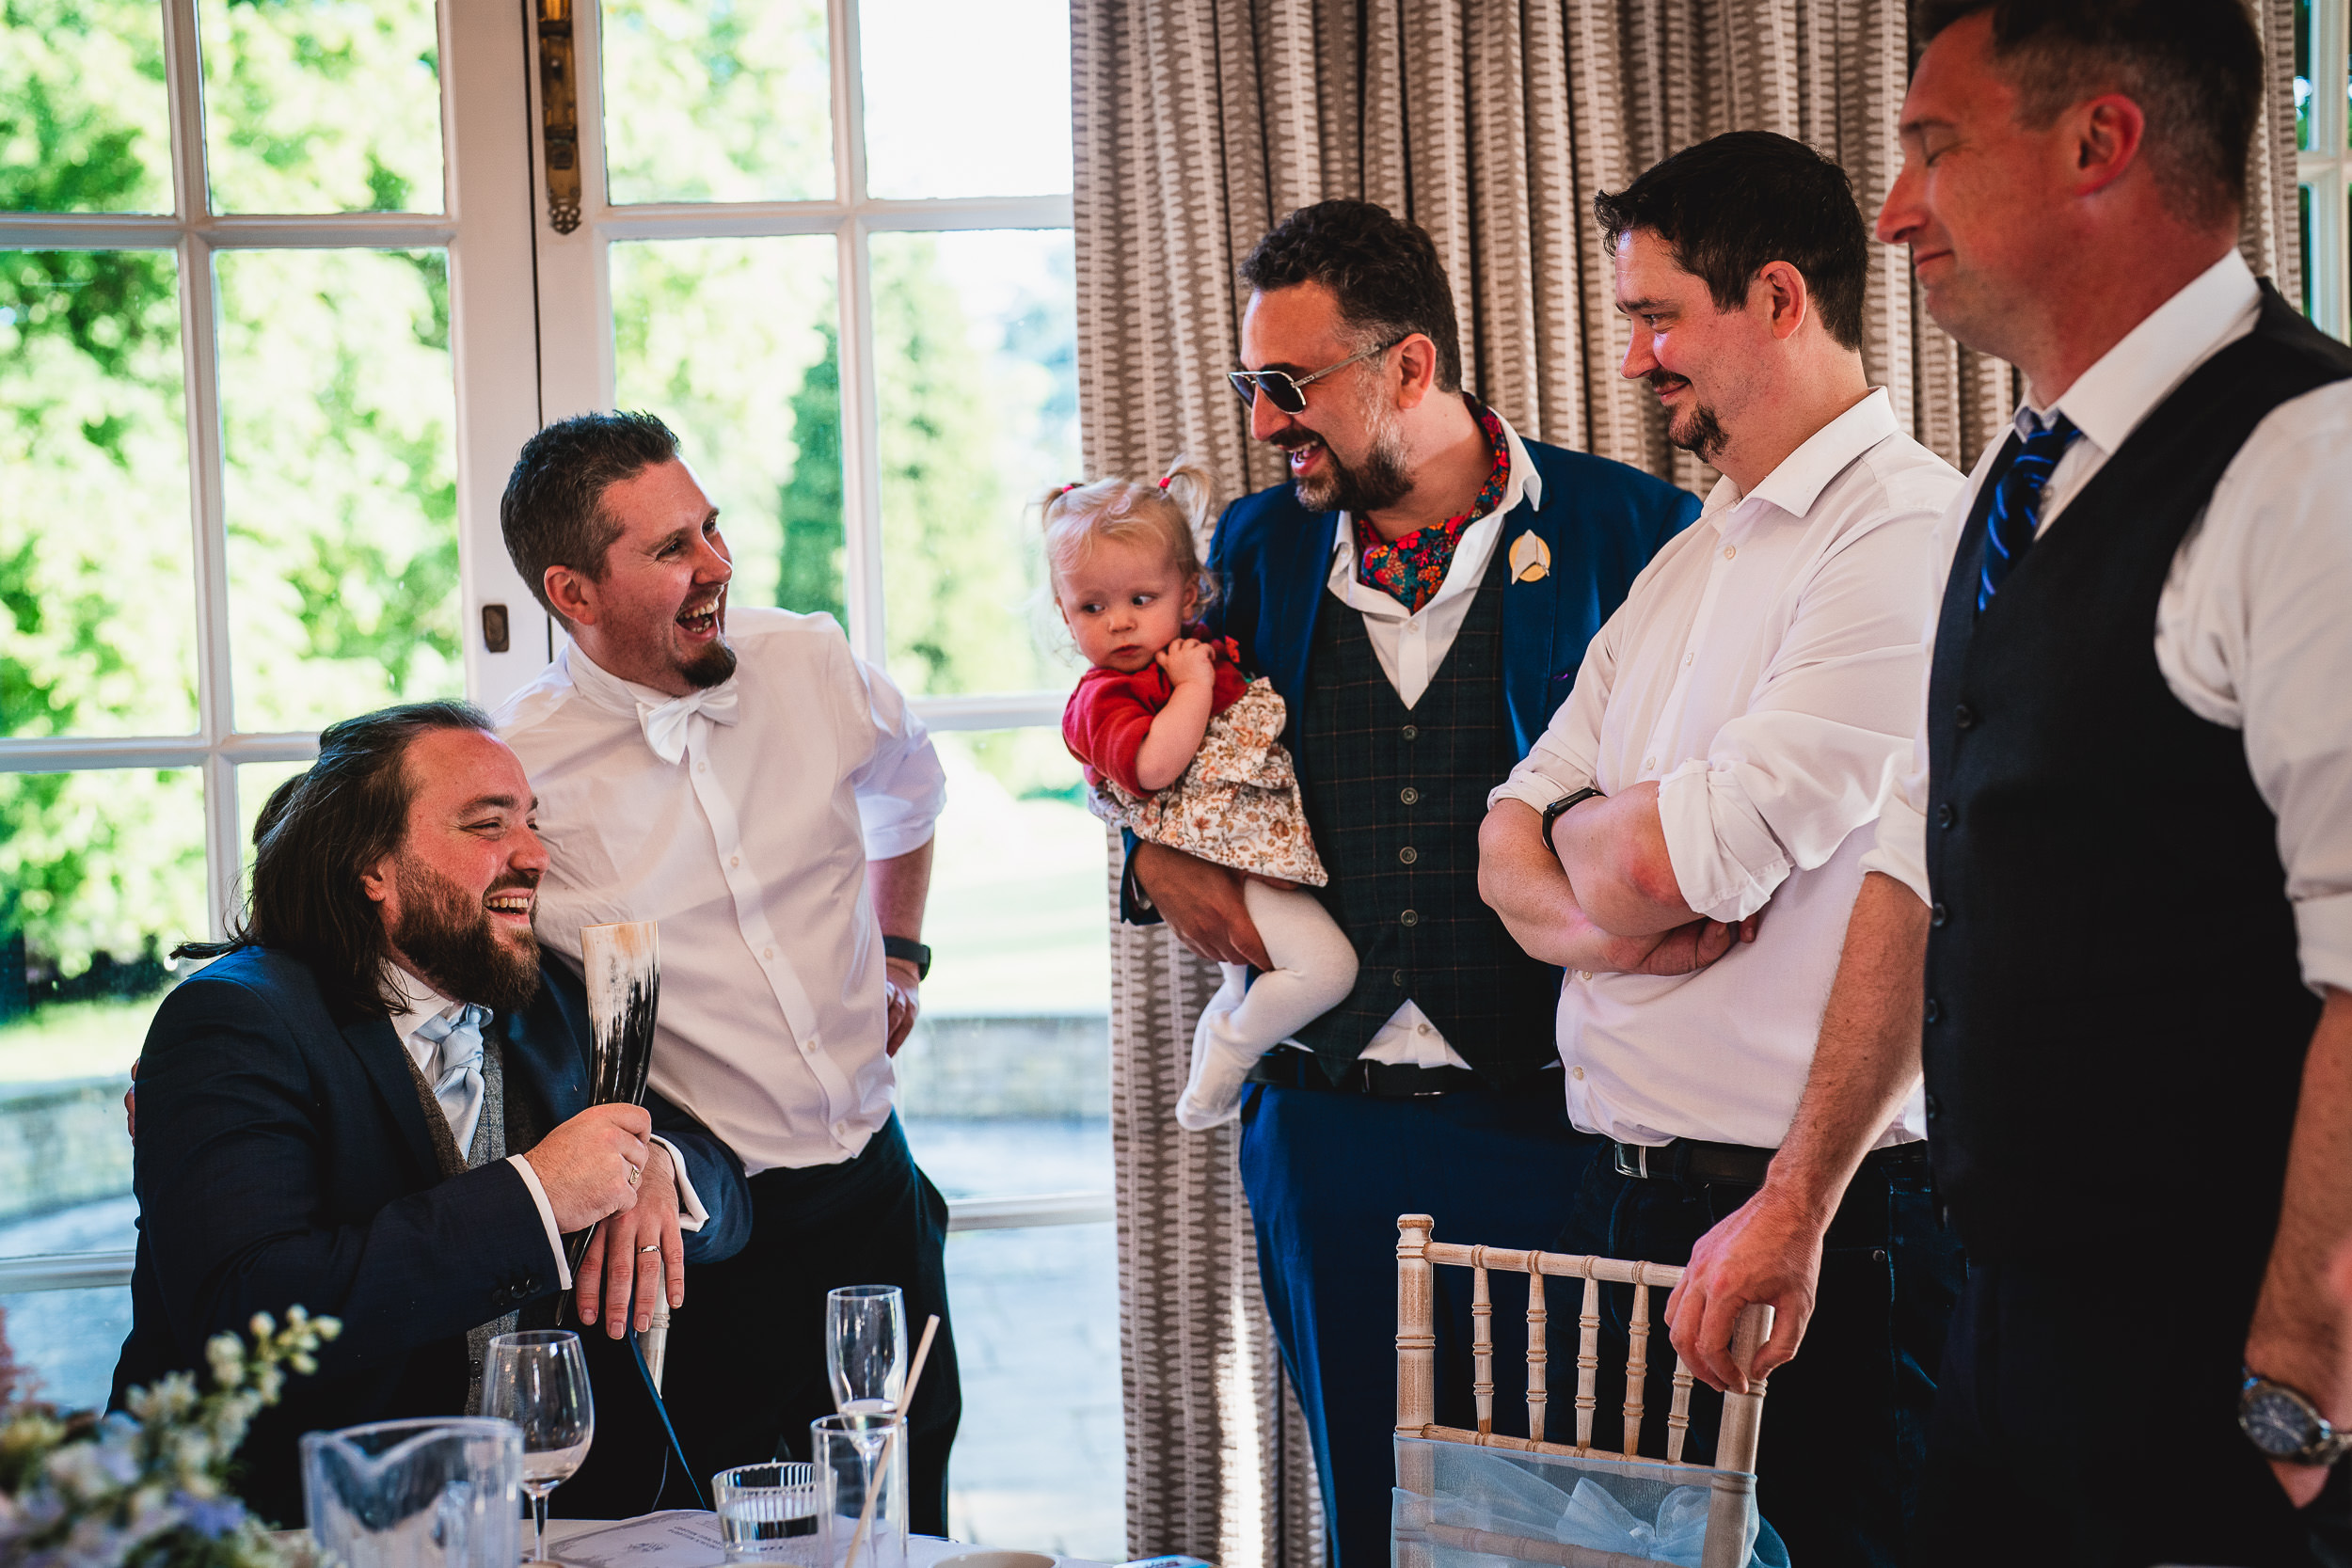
(2115, 1020)
(1395, 797)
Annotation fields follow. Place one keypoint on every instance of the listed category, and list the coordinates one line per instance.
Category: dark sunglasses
(1287, 391)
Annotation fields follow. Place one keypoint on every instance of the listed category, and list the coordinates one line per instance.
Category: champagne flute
(538, 1379)
(866, 1347)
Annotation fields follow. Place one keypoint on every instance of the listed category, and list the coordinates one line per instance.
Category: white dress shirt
(2253, 629)
(750, 849)
(1411, 647)
(1765, 671)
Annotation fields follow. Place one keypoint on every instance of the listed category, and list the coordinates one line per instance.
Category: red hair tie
(1064, 490)
(1163, 478)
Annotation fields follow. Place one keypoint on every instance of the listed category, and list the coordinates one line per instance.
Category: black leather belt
(1734, 1164)
(1298, 1070)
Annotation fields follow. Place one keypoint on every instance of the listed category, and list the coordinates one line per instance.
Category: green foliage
(717, 100)
(809, 504)
(83, 123)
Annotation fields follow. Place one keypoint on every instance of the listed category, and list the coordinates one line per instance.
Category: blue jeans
(1843, 1437)
(1328, 1174)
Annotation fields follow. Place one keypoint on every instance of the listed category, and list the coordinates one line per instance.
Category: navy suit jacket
(283, 1157)
(1601, 520)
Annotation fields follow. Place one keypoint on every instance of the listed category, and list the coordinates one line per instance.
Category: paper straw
(906, 1403)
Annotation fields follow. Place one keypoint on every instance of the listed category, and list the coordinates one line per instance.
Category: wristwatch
(1553, 812)
(2285, 1424)
(910, 950)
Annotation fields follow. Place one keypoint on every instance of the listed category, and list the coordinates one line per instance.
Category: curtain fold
(1197, 124)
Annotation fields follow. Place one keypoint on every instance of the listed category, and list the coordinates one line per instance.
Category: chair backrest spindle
(1538, 1356)
(1483, 1339)
(1636, 1362)
(1587, 1358)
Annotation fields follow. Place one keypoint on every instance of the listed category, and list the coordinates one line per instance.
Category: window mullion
(861, 422)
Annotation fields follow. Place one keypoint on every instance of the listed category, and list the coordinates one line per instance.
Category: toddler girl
(1183, 750)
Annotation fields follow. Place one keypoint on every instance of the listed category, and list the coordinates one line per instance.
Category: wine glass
(866, 1347)
(538, 1379)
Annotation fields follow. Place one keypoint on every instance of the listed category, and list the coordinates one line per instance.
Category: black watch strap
(910, 950)
(1553, 812)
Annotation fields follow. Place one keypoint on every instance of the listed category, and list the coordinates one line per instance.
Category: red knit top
(1112, 710)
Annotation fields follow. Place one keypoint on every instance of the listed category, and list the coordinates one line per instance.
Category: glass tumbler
(774, 1513)
(865, 1460)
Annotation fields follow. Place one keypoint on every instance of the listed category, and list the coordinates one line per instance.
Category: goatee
(455, 943)
(1697, 430)
(709, 667)
(1378, 481)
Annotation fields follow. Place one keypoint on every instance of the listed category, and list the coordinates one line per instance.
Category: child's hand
(1189, 659)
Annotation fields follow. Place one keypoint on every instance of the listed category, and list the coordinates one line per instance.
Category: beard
(1696, 430)
(1379, 481)
(455, 943)
(709, 667)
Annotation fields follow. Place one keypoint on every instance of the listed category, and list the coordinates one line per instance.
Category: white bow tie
(666, 722)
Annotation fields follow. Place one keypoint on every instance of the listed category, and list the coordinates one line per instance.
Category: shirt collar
(607, 690)
(2108, 400)
(1525, 484)
(1801, 476)
(422, 1001)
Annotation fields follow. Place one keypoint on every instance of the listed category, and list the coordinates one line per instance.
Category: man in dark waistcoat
(2124, 853)
(1420, 595)
(374, 1103)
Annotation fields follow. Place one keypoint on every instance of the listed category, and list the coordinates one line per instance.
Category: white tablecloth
(689, 1538)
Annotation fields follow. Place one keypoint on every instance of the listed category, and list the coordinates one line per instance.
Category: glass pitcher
(440, 1493)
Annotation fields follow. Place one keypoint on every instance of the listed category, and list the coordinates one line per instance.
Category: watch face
(2277, 1422)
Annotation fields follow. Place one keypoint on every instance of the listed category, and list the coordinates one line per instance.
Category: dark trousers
(746, 1372)
(1328, 1174)
(1845, 1426)
(2089, 1417)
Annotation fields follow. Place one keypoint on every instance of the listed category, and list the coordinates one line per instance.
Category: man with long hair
(372, 1104)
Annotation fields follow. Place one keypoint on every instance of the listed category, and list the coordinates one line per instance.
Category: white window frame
(574, 286)
(485, 230)
(2326, 170)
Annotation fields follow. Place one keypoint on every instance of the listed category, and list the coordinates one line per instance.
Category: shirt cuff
(1902, 849)
(2323, 929)
(546, 1217)
(1725, 857)
(1529, 787)
(690, 1213)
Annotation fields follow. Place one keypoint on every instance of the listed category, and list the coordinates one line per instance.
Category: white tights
(1314, 969)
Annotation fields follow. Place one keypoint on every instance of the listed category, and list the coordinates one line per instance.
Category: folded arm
(1524, 883)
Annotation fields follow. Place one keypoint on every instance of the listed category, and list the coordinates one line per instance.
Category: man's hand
(1677, 952)
(1202, 905)
(643, 1242)
(131, 1103)
(1768, 1250)
(589, 1167)
(1188, 661)
(903, 992)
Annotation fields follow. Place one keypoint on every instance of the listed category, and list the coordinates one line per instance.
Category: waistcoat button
(1410, 917)
(1409, 795)
(1408, 854)
(1943, 815)
(1412, 732)
(1935, 1108)
(1933, 1012)
(1935, 916)
(1964, 716)
(1398, 978)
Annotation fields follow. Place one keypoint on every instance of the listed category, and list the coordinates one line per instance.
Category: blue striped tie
(2015, 517)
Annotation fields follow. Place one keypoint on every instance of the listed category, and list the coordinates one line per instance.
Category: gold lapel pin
(1530, 558)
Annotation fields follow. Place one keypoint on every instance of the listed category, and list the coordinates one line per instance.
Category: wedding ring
(654, 1247)
(632, 1176)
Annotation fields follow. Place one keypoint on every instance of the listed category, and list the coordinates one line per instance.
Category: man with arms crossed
(1418, 594)
(2125, 846)
(1687, 837)
(327, 1111)
(742, 777)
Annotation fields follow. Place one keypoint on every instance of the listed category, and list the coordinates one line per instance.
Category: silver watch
(2284, 1424)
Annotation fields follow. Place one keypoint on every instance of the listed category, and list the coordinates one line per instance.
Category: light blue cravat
(457, 1075)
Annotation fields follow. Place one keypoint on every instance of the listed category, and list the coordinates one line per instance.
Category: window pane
(2303, 218)
(733, 343)
(102, 873)
(336, 410)
(2303, 74)
(97, 586)
(975, 338)
(84, 122)
(69, 1340)
(708, 100)
(322, 105)
(964, 100)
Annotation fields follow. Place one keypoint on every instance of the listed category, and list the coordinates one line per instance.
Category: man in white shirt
(1687, 835)
(2123, 850)
(742, 777)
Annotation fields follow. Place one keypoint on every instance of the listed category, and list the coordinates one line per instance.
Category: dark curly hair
(1738, 203)
(1383, 269)
(552, 513)
(2194, 67)
(320, 832)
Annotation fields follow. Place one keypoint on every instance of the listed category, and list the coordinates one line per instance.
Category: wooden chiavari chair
(1731, 1479)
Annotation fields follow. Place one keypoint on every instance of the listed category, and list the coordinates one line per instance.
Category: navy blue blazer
(283, 1157)
(1601, 520)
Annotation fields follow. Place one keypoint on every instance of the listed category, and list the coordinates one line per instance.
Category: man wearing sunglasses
(1420, 594)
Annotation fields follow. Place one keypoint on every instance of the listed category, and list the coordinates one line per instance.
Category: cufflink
(1530, 558)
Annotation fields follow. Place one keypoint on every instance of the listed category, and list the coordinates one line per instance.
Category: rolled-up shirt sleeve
(1805, 765)
(902, 788)
(1565, 757)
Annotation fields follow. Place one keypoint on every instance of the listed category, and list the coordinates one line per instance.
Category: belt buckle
(1636, 1166)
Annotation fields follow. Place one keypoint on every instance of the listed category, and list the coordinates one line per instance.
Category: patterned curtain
(1197, 124)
